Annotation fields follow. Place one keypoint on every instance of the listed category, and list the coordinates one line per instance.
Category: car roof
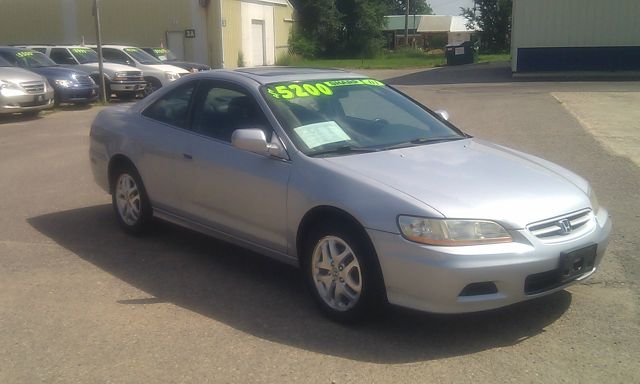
(12, 49)
(267, 75)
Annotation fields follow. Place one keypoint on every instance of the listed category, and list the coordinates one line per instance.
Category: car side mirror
(444, 114)
(254, 140)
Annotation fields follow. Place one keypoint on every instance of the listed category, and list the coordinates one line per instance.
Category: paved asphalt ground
(80, 302)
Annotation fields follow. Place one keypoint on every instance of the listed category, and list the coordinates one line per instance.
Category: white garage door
(257, 42)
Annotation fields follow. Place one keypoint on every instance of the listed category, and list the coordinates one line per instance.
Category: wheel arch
(327, 213)
(116, 162)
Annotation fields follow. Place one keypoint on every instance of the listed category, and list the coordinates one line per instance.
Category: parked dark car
(167, 57)
(70, 86)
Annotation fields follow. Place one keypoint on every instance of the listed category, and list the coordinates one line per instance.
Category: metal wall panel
(574, 23)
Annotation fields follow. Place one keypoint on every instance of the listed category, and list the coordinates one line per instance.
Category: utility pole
(406, 26)
(96, 14)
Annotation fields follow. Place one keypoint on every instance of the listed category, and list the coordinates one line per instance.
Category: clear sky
(449, 7)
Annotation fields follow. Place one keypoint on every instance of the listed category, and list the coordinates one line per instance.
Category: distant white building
(583, 35)
(424, 30)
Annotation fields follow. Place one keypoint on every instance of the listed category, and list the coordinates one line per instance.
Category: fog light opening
(477, 289)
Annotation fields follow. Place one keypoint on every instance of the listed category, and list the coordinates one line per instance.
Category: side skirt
(178, 220)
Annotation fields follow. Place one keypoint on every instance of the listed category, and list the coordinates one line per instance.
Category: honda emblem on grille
(565, 226)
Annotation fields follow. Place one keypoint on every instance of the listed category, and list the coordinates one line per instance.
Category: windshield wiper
(422, 140)
(344, 149)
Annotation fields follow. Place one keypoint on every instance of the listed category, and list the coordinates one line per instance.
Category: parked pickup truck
(122, 80)
(155, 72)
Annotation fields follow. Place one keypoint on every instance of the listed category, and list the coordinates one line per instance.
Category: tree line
(353, 28)
(335, 28)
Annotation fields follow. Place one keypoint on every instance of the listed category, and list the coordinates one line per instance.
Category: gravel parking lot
(82, 302)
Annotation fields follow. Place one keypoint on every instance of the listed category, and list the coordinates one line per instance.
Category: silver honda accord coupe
(375, 197)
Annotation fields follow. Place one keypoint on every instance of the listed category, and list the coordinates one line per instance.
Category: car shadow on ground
(268, 299)
(19, 118)
(497, 72)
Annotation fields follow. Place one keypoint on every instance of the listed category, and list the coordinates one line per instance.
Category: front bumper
(127, 86)
(26, 103)
(432, 279)
(77, 95)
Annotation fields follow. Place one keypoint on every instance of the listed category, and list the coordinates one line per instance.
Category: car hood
(57, 72)
(476, 180)
(115, 67)
(18, 75)
(187, 65)
(167, 68)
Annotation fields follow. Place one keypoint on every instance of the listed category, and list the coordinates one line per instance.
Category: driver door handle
(187, 156)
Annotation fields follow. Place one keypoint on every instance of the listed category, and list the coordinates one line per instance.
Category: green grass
(397, 60)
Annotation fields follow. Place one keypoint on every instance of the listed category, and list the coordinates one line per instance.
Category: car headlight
(595, 206)
(64, 83)
(452, 232)
(172, 76)
(9, 89)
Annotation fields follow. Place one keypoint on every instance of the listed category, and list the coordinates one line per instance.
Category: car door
(161, 139)
(232, 190)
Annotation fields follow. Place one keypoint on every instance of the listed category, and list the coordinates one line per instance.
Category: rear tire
(130, 201)
(342, 272)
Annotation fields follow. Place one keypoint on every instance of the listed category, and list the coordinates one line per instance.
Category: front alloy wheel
(336, 273)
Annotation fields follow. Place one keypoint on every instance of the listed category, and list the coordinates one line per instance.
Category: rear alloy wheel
(130, 201)
(342, 272)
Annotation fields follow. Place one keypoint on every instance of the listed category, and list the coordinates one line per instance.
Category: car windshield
(84, 55)
(336, 117)
(164, 54)
(32, 59)
(4, 63)
(141, 56)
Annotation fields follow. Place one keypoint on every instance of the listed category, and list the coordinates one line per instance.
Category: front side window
(352, 115)
(172, 108)
(115, 56)
(219, 110)
(62, 56)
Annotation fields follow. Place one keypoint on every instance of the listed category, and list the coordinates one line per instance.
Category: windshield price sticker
(24, 54)
(326, 132)
(299, 90)
(160, 51)
(80, 50)
(291, 91)
(131, 49)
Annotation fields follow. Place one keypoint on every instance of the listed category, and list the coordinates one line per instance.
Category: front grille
(34, 87)
(134, 75)
(84, 80)
(553, 228)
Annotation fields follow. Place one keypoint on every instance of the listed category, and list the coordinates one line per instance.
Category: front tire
(130, 201)
(342, 272)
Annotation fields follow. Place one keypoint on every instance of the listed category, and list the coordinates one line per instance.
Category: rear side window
(172, 108)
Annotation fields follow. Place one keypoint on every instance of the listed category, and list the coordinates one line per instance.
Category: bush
(302, 46)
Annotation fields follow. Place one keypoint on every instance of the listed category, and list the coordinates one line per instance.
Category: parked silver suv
(23, 91)
(122, 80)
